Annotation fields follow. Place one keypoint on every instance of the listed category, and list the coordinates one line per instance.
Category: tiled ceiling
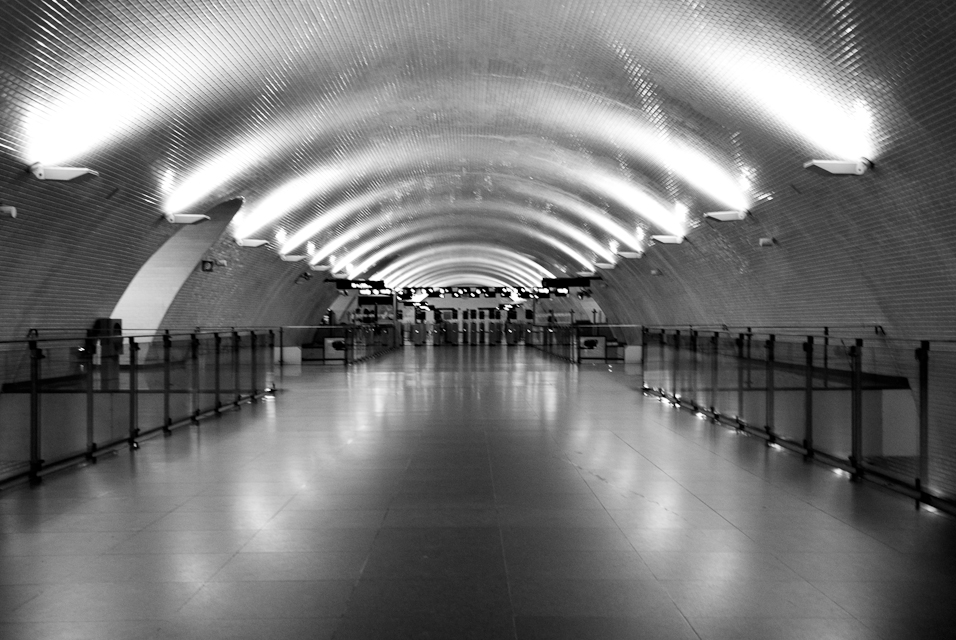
(452, 142)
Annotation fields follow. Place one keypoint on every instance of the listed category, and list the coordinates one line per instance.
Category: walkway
(467, 493)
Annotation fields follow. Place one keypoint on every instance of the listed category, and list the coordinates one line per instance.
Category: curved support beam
(153, 289)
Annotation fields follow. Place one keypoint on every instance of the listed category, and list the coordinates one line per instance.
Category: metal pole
(216, 368)
(694, 356)
(89, 348)
(856, 409)
(252, 353)
(194, 355)
(768, 422)
(715, 353)
(808, 398)
(167, 383)
(36, 463)
(922, 354)
(236, 384)
(281, 347)
(675, 378)
(133, 393)
(740, 376)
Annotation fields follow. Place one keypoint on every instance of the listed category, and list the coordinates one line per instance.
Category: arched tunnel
(725, 174)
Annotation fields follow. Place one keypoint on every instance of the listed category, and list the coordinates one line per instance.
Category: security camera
(43, 172)
(7, 210)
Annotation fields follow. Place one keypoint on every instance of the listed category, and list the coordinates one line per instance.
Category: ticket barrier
(494, 333)
(451, 333)
(418, 334)
(473, 333)
(512, 334)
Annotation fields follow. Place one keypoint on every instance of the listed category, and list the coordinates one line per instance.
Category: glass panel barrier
(63, 399)
(182, 381)
(209, 370)
(752, 380)
(833, 400)
(14, 409)
(790, 389)
(940, 438)
(890, 413)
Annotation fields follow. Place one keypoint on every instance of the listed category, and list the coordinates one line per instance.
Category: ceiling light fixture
(185, 218)
(668, 239)
(727, 216)
(839, 167)
(43, 172)
(251, 242)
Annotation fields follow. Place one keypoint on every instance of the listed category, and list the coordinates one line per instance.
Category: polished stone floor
(467, 493)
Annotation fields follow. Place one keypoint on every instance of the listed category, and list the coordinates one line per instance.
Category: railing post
(643, 356)
(740, 377)
(281, 346)
(856, 409)
(714, 378)
(253, 339)
(133, 393)
(808, 398)
(36, 463)
(826, 357)
(236, 353)
(194, 367)
(922, 354)
(676, 374)
(769, 408)
(88, 351)
(167, 383)
(216, 369)
(694, 356)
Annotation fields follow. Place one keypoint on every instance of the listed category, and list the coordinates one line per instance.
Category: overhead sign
(564, 283)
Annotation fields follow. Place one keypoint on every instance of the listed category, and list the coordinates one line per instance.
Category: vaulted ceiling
(446, 142)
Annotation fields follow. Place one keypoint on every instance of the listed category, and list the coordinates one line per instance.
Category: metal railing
(873, 407)
(64, 400)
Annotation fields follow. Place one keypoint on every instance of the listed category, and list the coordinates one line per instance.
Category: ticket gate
(473, 333)
(494, 333)
(418, 334)
(451, 333)
(512, 334)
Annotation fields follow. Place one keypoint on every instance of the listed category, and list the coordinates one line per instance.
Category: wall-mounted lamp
(668, 239)
(604, 265)
(251, 242)
(656, 272)
(631, 255)
(185, 218)
(767, 242)
(7, 210)
(293, 257)
(585, 274)
(321, 267)
(727, 216)
(43, 172)
(839, 167)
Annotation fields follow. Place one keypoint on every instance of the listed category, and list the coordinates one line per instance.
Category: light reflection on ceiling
(560, 133)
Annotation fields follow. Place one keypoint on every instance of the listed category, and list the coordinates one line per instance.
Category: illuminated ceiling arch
(597, 109)
(504, 214)
(451, 271)
(532, 241)
(470, 249)
(419, 236)
(501, 260)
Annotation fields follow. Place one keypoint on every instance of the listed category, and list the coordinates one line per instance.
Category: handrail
(874, 406)
(66, 400)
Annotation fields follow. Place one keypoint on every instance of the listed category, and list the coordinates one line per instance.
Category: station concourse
(468, 492)
(468, 319)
